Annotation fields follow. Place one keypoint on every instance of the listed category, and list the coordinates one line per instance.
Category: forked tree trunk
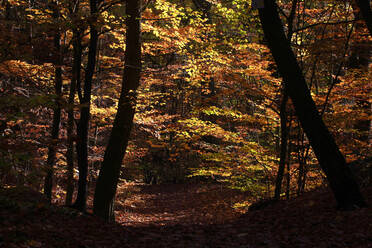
(332, 162)
(48, 182)
(83, 125)
(118, 141)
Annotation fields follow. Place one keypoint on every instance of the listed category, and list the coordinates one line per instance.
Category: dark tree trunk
(340, 178)
(288, 160)
(360, 50)
(48, 183)
(365, 9)
(283, 145)
(302, 155)
(359, 59)
(83, 125)
(118, 141)
(288, 180)
(283, 117)
(70, 158)
(205, 7)
(76, 67)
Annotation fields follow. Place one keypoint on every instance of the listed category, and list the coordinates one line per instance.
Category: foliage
(209, 100)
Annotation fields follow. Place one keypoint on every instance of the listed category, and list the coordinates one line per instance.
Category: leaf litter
(184, 215)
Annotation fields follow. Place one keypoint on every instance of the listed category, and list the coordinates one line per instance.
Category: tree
(365, 9)
(332, 162)
(284, 132)
(48, 184)
(75, 81)
(110, 169)
(83, 125)
(283, 144)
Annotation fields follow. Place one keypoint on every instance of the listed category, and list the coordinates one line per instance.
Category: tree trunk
(365, 9)
(288, 160)
(360, 59)
(302, 155)
(48, 183)
(283, 145)
(284, 131)
(76, 67)
(332, 162)
(118, 141)
(83, 125)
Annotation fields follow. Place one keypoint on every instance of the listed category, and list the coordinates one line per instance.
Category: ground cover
(184, 215)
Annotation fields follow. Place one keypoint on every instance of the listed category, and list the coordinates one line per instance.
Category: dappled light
(193, 123)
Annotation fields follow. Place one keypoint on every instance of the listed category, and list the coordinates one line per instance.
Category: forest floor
(185, 215)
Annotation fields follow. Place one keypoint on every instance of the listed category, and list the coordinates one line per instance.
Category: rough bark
(332, 162)
(48, 183)
(83, 125)
(110, 169)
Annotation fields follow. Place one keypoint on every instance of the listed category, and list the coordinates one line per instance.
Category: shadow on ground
(308, 221)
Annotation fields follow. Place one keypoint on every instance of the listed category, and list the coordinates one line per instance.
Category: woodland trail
(140, 204)
(184, 216)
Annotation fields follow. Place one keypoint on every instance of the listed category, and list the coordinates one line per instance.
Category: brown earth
(185, 215)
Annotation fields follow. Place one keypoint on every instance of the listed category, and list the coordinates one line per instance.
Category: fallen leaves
(186, 215)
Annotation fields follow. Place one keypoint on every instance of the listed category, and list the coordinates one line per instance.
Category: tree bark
(75, 80)
(48, 183)
(360, 59)
(302, 155)
(284, 131)
(283, 145)
(332, 162)
(365, 9)
(110, 169)
(83, 125)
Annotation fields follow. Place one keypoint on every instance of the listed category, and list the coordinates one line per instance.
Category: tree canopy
(253, 95)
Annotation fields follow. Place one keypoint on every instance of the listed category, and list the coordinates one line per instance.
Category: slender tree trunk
(70, 158)
(48, 183)
(302, 155)
(288, 181)
(340, 178)
(110, 169)
(76, 67)
(365, 9)
(302, 173)
(283, 145)
(283, 116)
(83, 125)
(288, 160)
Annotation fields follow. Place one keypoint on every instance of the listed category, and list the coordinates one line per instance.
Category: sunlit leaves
(26, 71)
(210, 95)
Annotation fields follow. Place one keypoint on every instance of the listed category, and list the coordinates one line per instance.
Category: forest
(185, 123)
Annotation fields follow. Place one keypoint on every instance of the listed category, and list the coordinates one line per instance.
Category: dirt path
(140, 204)
(183, 216)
